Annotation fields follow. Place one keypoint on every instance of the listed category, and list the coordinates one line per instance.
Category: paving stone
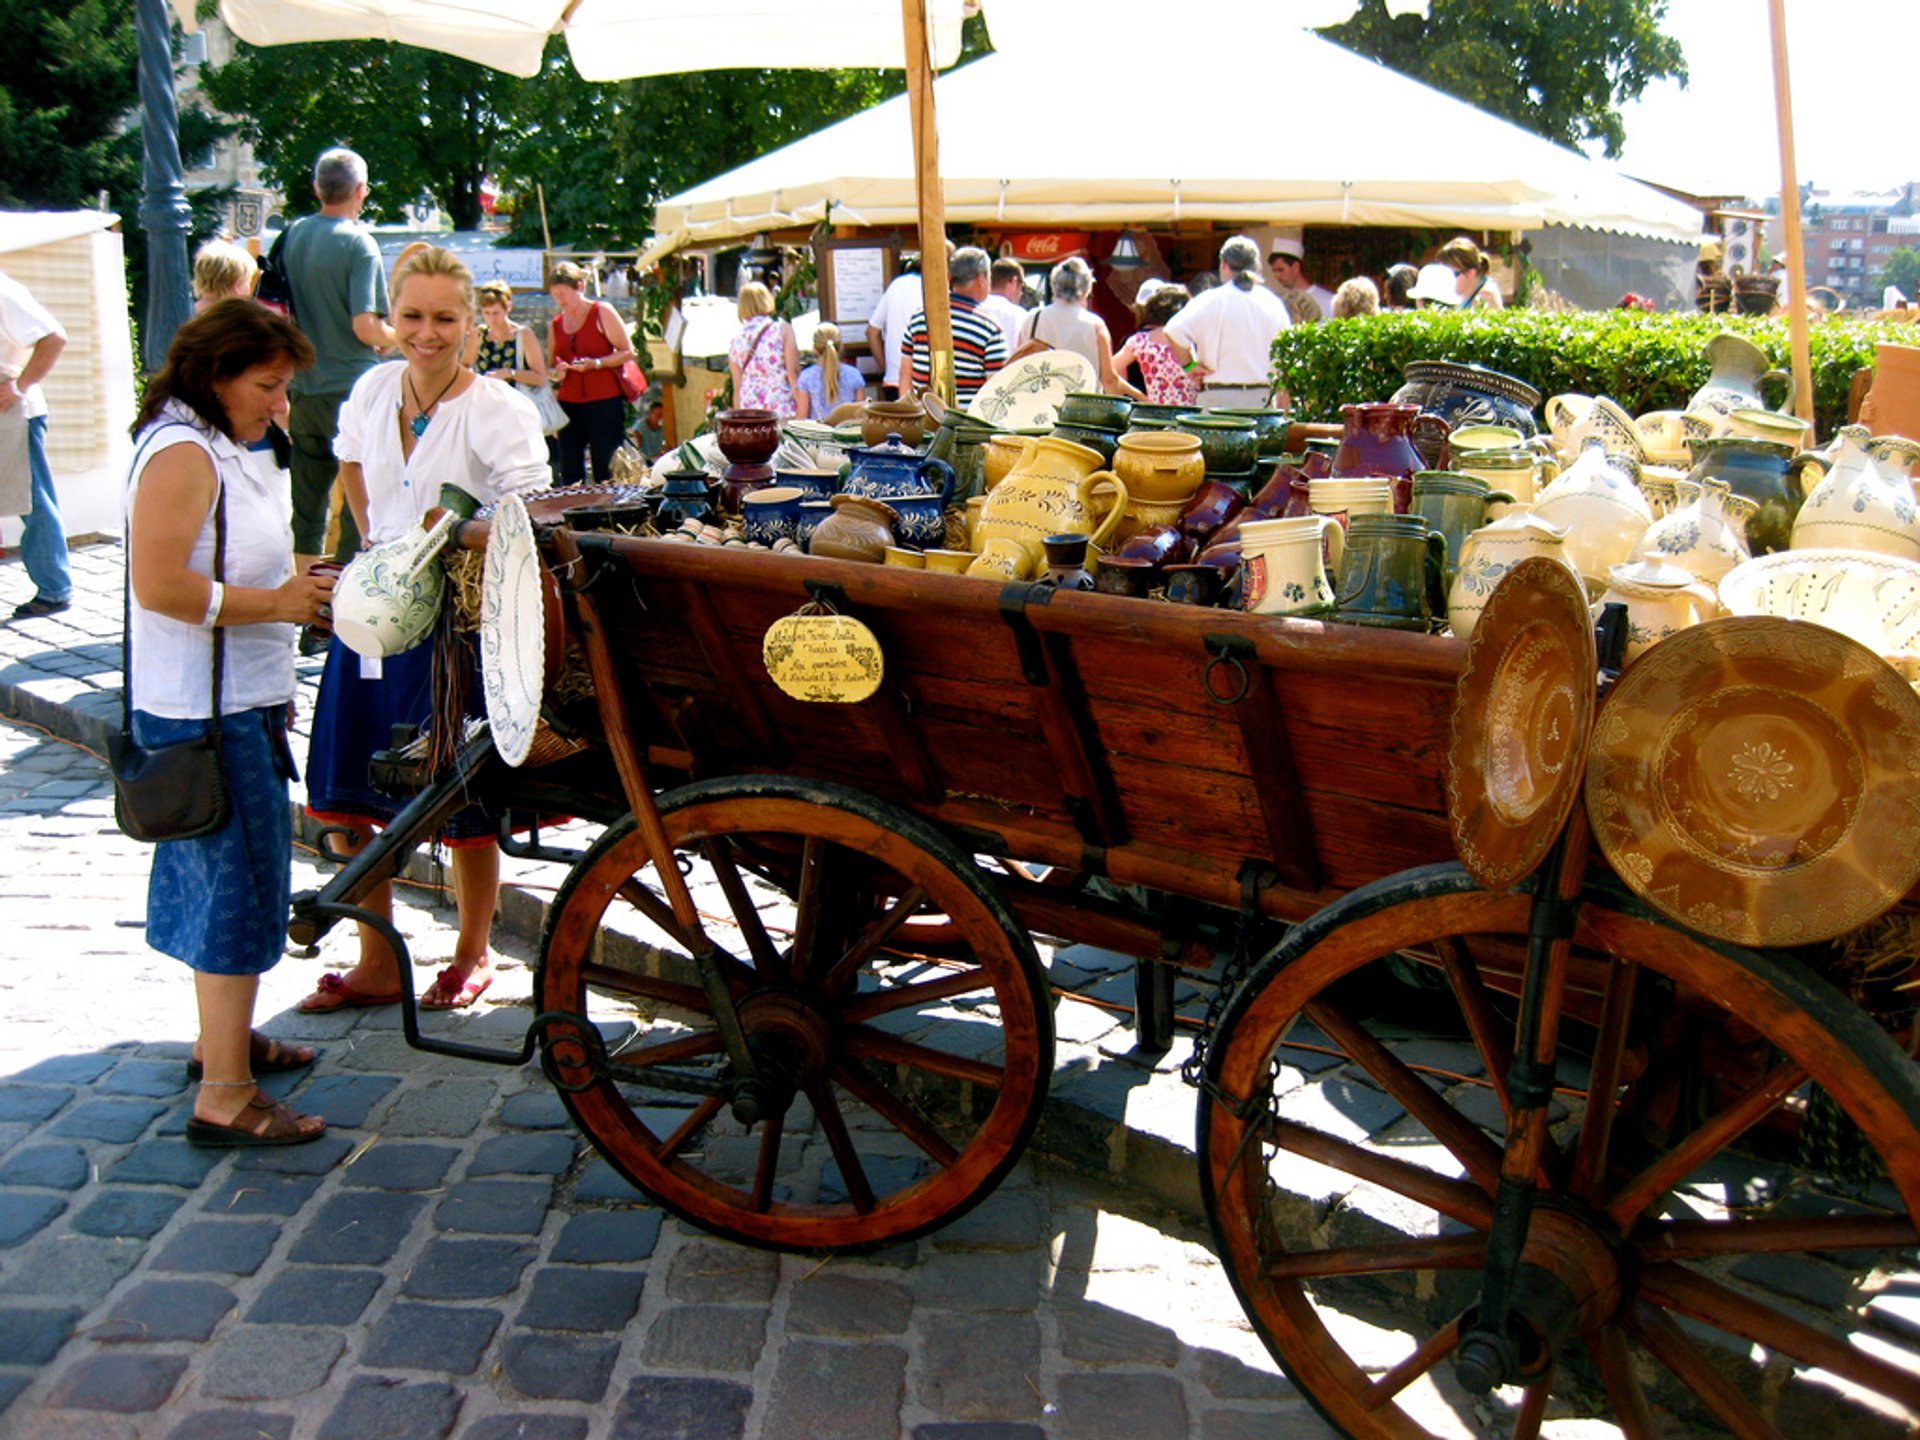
(315, 1157)
(705, 1269)
(136, 1214)
(1234, 1379)
(126, 1384)
(524, 1155)
(159, 1310)
(448, 1108)
(683, 1407)
(69, 1069)
(261, 1192)
(358, 1228)
(24, 1216)
(156, 1079)
(1821, 1286)
(233, 1425)
(1341, 1107)
(392, 1410)
(560, 1367)
(836, 1392)
(1897, 1312)
(219, 1247)
(321, 1295)
(118, 1122)
(30, 1104)
(10, 1387)
(600, 1182)
(849, 1305)
(1301, 1424)
(979, 1281)
(527, 1427)
(1101, 1335)
(346, 1100)
(535, 1110)
(570, 1297)
(49, 1167)
(729, 1338)
(1141, 1407)
(431, 1337)
(987, 1430)
(1003, 1364)
(495, 1207)
(608, 1237)
(271, 1362)
(165, 1162)
(81, 1268)
(403, 1166)
(33, 1337)
(467, 1269)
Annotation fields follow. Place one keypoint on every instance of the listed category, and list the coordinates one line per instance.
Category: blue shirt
(813, 384)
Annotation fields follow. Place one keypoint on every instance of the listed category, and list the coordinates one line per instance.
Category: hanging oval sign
(827, 659)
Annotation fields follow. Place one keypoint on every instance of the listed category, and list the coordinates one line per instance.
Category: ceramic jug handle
(943, 468)
(1115, 515)
(1803, 462)
(1786, 379)
(430, 544)
(1432, 430)
(1436, 567)
(1333, 535)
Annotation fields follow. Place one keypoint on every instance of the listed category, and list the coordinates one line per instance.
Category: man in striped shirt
(979, 349)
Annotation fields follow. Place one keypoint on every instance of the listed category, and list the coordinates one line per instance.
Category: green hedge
(1644, 362)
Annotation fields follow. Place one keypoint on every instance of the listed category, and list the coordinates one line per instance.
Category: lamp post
(164, 212)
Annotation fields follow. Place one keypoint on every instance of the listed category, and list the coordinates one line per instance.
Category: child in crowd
(829, 382)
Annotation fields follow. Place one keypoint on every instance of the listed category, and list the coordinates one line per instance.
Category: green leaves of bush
(1644, 362)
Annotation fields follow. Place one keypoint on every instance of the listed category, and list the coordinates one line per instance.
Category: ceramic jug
(1455, 505)
(1489, 553)
(1859, 506)
(1563, 412)
(857, 529)
(1376, 441)
(1698, 536)
(386, 599)
(1004, 452)
(1765, 477)
(1051, 492)
(884, 471)
(1282, 571)
(1739, 369)
(1661, 600)
(1391, 575)
(1896, 454)
(1602, 509)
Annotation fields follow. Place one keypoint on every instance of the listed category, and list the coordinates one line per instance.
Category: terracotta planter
(1892, 406)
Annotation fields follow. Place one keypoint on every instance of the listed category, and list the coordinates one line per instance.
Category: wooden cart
(850, 1033)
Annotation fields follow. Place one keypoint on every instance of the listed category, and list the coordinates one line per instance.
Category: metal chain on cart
(1249, 929)
(1878, 968)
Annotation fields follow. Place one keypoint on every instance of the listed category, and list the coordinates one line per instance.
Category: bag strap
(519, 342)
(126, 595)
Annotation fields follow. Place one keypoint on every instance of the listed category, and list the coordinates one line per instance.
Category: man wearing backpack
(338, 287)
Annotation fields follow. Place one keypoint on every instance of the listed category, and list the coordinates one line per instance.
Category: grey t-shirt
(334, 267)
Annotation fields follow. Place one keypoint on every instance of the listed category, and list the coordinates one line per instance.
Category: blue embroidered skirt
(219, 902)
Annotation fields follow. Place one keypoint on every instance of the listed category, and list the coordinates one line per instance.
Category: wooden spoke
(746, 915)
(960, 981)
(1668, 1344)
(669, 1052)
(859, 1082)
(1596, 1124)
(1623, 1386)
(1533, 1408)
(1448, 1252)
(1435, 1348)
(1469, 1144)
(1456, 1199)
(657, 910)
(1490, 1033)
(1624, 1207)
(876, 935)
(826, 1110)
(695, 1122)
(1697, 1239)
(647, 987)
(808, 899)
(870, 1044)
(767, 1163)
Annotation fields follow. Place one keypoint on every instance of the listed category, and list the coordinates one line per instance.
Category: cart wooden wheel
(1356, 1236)
(904, 1082)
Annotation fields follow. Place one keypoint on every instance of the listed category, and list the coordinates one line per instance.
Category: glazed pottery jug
(1066, 563)
(387, 598)
(1698, 535)
(1377, 441)
(884, 471)
(1739, 369)
(1489, 553)
(1051, 493)
(1003, 453)
(772, 514)
(1858, 506)
(1602, 510)
(1282, 570)
(1391, 575)
(1765, 477)
(1464, 395)
(1002, 558)
(1896, 455)
(1160, 466)
(1455, 505)
(858, 529)
(1661, 600)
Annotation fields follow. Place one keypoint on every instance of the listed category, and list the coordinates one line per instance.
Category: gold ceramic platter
(1521, 718)
(1758, 780)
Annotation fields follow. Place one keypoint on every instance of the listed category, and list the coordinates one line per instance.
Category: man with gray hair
(979, 349)
(339, 288)
(1227, 332)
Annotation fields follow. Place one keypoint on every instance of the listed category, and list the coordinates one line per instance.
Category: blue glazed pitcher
(884, 472)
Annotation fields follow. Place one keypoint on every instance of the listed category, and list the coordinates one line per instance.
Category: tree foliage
(1903, 269)
(1559, 69)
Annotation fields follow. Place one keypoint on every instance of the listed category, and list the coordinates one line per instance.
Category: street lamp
(164, 212)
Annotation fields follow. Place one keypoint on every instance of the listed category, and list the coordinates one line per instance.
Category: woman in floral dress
(764, 358)
(1166, 381)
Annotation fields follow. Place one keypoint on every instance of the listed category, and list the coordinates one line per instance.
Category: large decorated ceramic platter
(1027, 394)
(1758, 780)
(1521, 719)
(1874, 599)
(513, 631)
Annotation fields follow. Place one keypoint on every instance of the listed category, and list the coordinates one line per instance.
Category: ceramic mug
(947, 562)
(815, 484)
(1455, 505)
(1345, 498)
(771, 514)
(1282, 568)
(1393, 574)
(1665, 432)
(1484, 437)
(1514, 472)
(807, 518)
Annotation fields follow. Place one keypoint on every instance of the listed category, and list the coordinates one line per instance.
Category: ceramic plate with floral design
(513, 633)
(1874, 599)
(1027, 394)
(1758, 780)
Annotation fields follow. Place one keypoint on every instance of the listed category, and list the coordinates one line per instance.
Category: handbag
(630, 377)
(178, 791)
(552, 418)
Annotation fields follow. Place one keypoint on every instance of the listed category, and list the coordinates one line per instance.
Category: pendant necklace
(421, 420)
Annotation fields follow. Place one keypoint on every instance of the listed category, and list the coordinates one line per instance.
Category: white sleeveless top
(172, 660)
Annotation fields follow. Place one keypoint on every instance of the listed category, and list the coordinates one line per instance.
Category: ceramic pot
(882, 421)
(1468, 440)
(1602, 509)
(1051, 493)
(1161, 415)
(919, 520)
(1859, 506)
(1455, 505)
(1739, 370)
(1756, 294)
(1469, 395)
(686, 495)
(1697, 535)
(1269, 428)
(1489, 553)
(1092, 408)
(893, 469)
(772, 514)
(1066, 563)
(812, 484)
(1765, 478)
(1392, 574)
(1160, 467)
(1212, 506)
(858, 529)
(386, 598)
(1376, 441)
(1101, 441)
(1282, 568)
(1892, 405)
(1661, 600)
(1665, 435)
(747, 437)
(1132, 578)
(1231, 444)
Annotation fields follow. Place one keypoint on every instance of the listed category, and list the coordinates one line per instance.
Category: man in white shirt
(1002, 305)
(1229, 330)
(887, 327)
(1284, 260)
(30, 341)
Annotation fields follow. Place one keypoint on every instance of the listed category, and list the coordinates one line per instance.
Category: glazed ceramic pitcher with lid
(881, 472)
(1051, 492)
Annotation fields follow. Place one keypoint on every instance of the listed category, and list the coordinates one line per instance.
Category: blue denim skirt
(219, 902)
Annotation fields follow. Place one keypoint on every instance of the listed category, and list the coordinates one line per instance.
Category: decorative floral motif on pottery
(1762, 770)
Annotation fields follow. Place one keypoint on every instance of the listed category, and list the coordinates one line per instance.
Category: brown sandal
(264, 1122)
(268, 1055)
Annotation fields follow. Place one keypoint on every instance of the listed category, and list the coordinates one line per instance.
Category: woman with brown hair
(764, 359)
(1472, 281)
(588, 343)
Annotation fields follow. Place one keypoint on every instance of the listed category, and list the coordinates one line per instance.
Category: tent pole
(933, 206)
(1790, 219)
(164, 213)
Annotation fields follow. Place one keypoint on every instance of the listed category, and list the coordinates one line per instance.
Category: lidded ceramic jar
(1661, 600)
(1601, 508)
(1859, 506)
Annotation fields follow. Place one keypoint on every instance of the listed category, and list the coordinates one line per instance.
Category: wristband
(214, 598)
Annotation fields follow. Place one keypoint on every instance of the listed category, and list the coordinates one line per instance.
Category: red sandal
(453, 991)
(334, 993)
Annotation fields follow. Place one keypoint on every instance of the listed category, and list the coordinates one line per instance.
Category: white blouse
(173, 660)
(487, 441)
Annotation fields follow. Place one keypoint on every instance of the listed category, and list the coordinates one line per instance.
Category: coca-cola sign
(1047, 245)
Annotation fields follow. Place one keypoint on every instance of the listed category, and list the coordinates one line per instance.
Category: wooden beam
(1790, 219)
(933, 205)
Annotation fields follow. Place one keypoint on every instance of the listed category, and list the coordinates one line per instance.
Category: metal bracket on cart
(1254, 878)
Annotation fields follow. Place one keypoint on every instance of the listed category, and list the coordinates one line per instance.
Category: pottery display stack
(1094, 420)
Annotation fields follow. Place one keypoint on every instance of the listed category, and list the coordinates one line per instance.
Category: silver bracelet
(214, 599)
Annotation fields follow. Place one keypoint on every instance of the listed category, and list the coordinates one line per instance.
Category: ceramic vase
(1698, 535)
(1859, 506)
